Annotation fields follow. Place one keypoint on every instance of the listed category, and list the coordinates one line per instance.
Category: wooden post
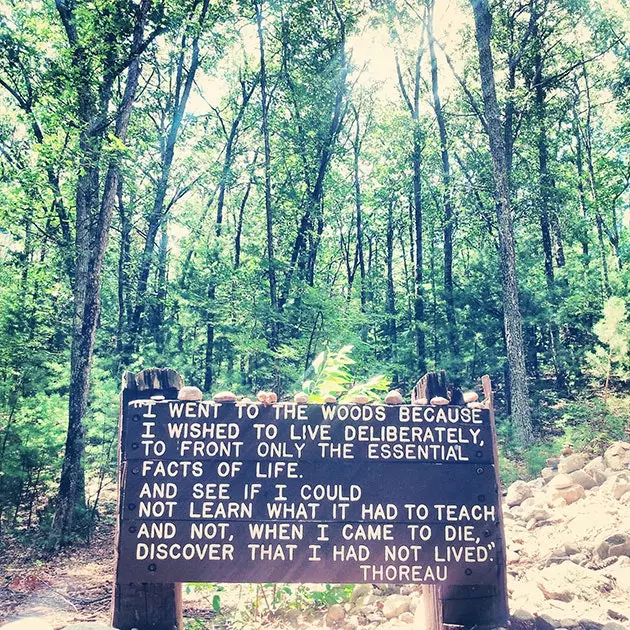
(479, 607)
(144, 606)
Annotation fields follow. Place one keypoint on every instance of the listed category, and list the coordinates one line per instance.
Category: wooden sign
(229, 492)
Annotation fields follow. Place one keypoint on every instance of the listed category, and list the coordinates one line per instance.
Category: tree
(511, 311)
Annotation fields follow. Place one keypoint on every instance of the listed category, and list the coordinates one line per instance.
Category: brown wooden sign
(307, 493)
(230, 492)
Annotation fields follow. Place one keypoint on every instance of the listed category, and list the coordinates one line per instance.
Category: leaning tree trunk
(88, 287)
(512, 315)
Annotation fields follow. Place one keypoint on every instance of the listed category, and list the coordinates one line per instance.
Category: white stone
(395, 605)
(517, 493)
(561, 481)
(617, 456)
(335, 614)
(617, 484)
(189, 393)
(224, 397)
(583, 479)
(572, 463)
(394, 398)
(570, 495)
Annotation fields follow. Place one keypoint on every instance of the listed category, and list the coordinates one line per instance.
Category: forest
(230, 189)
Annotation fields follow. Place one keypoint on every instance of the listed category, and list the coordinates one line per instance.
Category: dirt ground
(76, 586)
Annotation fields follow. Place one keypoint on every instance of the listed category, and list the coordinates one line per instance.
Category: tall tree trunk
(447, 192)
(124, 260)
(88, 285)
(545, 184)
(183, 85)
(512, 316)
(218, 229)
(579, 165)
(599, 220)
(159, 312)
(390, 301)
(413, 105)
(312, 221)
(271, 270)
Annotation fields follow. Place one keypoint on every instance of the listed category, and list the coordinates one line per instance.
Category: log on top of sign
(221, 491)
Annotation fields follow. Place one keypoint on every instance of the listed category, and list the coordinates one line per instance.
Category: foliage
(355, 241)
(330, 375)
(611, 359)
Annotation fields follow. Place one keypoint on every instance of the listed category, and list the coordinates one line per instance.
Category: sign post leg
(144, 606)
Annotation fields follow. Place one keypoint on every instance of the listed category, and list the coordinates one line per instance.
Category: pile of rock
(568, 543)
(370, 606)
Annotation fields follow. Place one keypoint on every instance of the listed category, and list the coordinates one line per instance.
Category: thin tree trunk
(599, 221)
(183, 86)
(512, 317)
(413, 105)
(447, 192)
(124, 259)
(390, 303)
(545, 184)
(271, 270)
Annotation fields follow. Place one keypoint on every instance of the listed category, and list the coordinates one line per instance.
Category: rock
(567, 580)
(470, 397)
(617, 456)
(571, 548)
(596, 463)
(625, 498)
(394, 398)
(548, 474)
(569, 623)
(190, 393)
(570, 494)
(439, 400)
(552, 462)
(589, 624)
(536, 484)
(360, 399)
(330, 399)
(301, 398)
(561, 481)
(614, 625)
(615, 544)
(395, 605)
(475, 405)
(88, 626)
(537, 514)
(572, 463)
(522, 615)
(617, 484)
(545, 622)
(335, 614)
(360, 591)
(583, 479)
(517, 493)
(407, 617)
(225, 397)
(267, 398)
(558, 503)
(27, 623)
